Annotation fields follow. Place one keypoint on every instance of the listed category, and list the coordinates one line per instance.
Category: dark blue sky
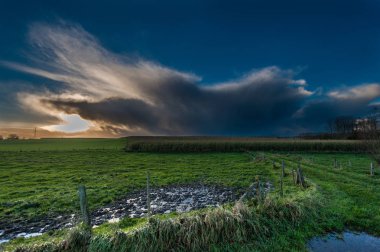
(334, 42)
(132, 67)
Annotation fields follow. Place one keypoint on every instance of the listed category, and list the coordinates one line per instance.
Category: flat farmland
(38, 181)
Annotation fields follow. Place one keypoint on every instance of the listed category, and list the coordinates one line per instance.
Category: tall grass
(229, 226)
(209, 144)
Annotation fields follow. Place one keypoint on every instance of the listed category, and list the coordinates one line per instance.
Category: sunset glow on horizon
(71, 124)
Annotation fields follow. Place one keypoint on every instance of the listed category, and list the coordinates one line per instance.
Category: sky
(245, 68)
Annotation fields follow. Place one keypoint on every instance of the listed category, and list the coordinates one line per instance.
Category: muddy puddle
(164, 200)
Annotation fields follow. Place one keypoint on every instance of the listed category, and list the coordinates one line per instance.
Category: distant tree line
(352, 128)
(10, 137)
(348, 127)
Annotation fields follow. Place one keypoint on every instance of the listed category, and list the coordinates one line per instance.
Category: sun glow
(71, 124)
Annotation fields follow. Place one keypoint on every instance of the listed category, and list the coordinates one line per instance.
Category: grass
(61, 144)
(351, 192)
(37, 183)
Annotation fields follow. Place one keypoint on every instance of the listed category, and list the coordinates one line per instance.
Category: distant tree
(1, 137)
(13, 137)
(365, 125)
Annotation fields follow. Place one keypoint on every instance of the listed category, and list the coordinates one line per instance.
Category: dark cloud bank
(182, 107)
(140, 97)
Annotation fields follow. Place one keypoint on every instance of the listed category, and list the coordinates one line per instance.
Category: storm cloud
(178, 106)
(136, 96)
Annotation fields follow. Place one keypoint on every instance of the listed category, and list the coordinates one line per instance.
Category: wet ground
(345, 242)
(162, 200)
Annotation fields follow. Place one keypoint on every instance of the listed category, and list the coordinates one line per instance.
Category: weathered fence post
(300, 178)
(84, 206)
(294, 177)
(335, 163)
(372, 170)
(258, 188)
(148, 192)
(349, 163)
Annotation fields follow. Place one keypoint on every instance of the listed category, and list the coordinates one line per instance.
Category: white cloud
(364, 91)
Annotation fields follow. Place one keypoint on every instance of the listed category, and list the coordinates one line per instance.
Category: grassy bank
(265, 226)
(236, 144)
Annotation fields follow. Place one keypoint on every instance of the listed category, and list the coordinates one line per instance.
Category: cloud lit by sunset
(74, 83)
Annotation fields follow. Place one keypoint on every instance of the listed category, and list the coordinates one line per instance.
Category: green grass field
(42, 180)
(37, 183)
(62, 144)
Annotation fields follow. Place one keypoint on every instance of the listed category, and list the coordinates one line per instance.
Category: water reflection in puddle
(347, 241)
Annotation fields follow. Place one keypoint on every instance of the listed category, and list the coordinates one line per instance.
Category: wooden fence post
(349, 163)
(148, 192)
(84, 206)
(300, 178)
(372, 171)
(258, 188)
